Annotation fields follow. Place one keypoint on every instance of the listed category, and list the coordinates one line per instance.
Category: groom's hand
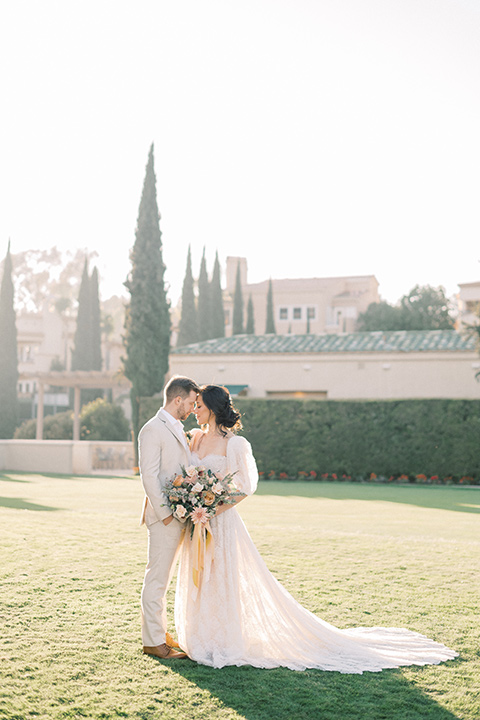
(168, 520)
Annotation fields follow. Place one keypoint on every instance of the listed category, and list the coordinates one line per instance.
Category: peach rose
(208, 497)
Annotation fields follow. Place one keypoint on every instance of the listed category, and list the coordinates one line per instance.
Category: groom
(163, 449)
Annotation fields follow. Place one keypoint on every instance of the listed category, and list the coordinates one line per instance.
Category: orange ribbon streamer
(202, 552)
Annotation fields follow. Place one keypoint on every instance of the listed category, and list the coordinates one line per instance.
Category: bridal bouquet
(194, 495)
(196, 492)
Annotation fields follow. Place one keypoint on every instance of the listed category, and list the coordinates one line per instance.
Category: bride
(242, 615)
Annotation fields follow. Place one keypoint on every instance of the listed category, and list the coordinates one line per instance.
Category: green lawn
(72, 565)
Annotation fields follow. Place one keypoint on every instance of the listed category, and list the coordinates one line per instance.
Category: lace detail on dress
(243, 616)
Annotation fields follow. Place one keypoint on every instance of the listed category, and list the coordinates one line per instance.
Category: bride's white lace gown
(243, 616)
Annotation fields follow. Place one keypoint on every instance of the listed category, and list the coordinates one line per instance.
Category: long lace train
(244, 616)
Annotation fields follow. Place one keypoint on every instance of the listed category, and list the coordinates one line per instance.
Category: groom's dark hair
(179, 385)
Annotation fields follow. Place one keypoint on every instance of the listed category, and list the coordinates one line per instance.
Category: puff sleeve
(241, 463)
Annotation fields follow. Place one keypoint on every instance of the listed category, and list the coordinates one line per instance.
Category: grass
(72, 562)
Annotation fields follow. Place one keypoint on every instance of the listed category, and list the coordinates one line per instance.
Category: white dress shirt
(177, 426)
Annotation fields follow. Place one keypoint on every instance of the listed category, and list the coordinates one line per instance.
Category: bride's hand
(221, 507)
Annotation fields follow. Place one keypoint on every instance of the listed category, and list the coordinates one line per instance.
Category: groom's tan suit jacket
(162, 453)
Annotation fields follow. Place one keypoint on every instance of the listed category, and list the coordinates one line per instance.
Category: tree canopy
(204, 314)
(87, 349)
(270, 324)
(237, 320)
(49, 276)
(8, 355)
(147, 319)
(423, 308)
(188, 328)
(216, 301)
(250, 326)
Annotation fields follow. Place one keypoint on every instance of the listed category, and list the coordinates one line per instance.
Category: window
(26, 353)
(283, 313)
(311, 314)
(297, 313)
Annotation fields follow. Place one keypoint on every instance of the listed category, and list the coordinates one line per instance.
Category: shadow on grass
(459, 499)
(283, 694)
(11, 478)
(21, 504)
(120, 475)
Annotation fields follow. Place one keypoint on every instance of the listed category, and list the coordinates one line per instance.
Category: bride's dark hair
(218, 400)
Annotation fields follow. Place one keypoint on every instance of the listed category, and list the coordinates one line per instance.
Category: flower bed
(420, 479)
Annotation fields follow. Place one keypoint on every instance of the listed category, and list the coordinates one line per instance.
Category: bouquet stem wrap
(202, 553)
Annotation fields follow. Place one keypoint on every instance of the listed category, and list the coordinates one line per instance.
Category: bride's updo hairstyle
(218, 400)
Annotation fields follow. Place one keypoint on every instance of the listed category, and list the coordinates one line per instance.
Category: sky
(316, 138)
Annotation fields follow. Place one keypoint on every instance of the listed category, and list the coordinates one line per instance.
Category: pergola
(78, 380)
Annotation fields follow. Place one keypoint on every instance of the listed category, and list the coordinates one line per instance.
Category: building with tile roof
(353, 366)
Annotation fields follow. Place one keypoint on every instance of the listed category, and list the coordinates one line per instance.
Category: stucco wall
(341, 376)
(66, 456)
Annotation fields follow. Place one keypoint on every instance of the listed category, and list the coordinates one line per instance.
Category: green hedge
(406, 440)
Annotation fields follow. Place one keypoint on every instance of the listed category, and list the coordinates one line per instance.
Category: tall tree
(8, 355)
(95, 315)
(380, 316)
(147, 319)
(216, 300)
(188, 329)
(270, 324)
(87, 350)
(48, 276)
(250, 326)
(423, 308)
(204, 302)
(427, 308)
(82, 344)
(237, 320)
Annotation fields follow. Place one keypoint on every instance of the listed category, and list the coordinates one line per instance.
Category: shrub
(55, 427)
(101, 420)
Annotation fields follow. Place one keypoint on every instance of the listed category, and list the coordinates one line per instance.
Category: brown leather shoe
(163, 651)
(170, 641)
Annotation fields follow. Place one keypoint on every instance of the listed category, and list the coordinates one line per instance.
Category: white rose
(217, 488)
(180, 511)
(197, 487)
(191, 470)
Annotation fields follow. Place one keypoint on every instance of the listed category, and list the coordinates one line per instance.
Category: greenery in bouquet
(195, 493)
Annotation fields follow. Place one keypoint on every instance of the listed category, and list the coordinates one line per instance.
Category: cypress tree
(87, 351)
(8, 355)
(216, 299)
(237, 320)
(188, 329)
(96, 332)
(270, 324)
(82, 347)
(147, 319)
(204, 302)
(250, 327)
